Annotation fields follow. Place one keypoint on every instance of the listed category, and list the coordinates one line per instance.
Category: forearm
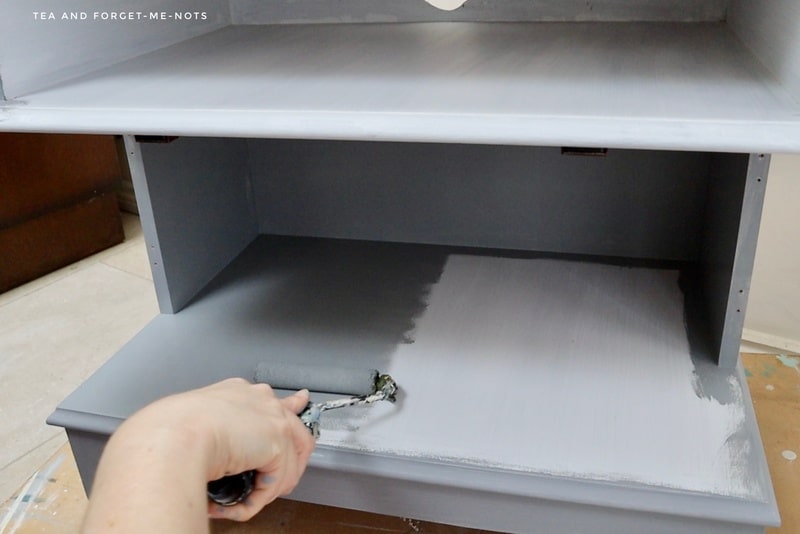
(153, 473)
(151, 478)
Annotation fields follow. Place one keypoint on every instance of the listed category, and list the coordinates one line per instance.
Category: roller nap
(320, 378)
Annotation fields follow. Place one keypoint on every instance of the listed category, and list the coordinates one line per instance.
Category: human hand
(266, 436)
(153, 473)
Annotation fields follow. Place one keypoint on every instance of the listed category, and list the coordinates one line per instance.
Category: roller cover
(321, 378)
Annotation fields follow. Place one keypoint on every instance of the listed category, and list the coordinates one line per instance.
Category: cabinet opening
(670, 215)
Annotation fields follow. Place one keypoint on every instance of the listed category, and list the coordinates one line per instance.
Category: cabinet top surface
(638, 85)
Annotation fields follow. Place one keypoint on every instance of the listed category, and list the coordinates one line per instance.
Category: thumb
(296, 402)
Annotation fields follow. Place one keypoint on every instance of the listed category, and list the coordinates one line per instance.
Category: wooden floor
(53, 499)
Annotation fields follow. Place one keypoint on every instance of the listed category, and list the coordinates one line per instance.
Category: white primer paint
(561, 368)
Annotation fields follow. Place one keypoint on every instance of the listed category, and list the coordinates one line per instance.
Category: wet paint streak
(789, 361)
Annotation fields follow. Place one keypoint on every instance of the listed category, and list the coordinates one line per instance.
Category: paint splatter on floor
(778, 414)
(789, 361)
(767, 369)
(30, 495)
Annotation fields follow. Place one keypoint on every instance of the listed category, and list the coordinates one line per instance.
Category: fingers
(273, 421)
(269, 485)
(297, 402)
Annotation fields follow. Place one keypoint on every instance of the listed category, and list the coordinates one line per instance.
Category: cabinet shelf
(633, 84)
(437, 318)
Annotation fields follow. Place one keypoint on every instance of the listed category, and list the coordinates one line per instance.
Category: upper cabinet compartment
(714, 75)
(46, 43)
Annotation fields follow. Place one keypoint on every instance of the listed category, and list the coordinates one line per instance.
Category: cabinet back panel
(305, 11)
(634, 204)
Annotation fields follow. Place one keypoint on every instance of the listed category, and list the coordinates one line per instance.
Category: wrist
(152, 476)
(166, 433)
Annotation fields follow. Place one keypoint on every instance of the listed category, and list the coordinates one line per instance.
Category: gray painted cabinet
(540, 217)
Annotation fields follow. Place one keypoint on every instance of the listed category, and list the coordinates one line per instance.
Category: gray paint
(745, 252)
(230, 327)
(712, 381)
(198, 193)
(314, 377)
(87, 447)
(324, 483)
(631, 204)
(302, 301)
(147, 218)
(735, 200)
(633, 85)
(314, 11)
(533, 332)
(496, 511)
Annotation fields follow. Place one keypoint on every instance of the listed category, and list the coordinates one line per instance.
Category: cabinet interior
(678, 211)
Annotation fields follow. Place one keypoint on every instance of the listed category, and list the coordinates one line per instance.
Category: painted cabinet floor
(52, 500)
(56, 331)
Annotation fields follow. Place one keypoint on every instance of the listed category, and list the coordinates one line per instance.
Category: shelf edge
(620, 132)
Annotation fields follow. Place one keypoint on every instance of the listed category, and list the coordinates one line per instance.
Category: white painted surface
(509, 361)
(773, 316)
(637, 85)
(772, 31)
(37, 51)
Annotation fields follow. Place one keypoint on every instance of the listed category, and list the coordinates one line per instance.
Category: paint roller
(364, 386)
(320, 378)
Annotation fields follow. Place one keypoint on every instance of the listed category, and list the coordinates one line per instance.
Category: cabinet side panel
(197, 213)
(50, 41)
(735, 200)
(305, 11)
(87, 448)
(770, 31)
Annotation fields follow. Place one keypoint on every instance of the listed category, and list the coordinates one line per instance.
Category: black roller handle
(232, 489)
